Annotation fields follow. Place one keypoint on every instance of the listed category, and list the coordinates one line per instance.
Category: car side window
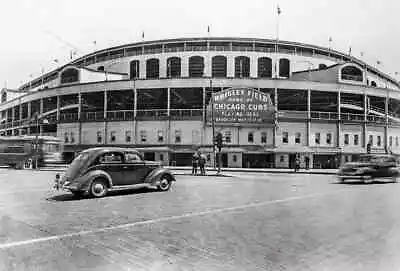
(111, 157)
(132, 157)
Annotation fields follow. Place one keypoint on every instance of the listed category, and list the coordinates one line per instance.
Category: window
(371, 140)
(390, 141)
(173, 67)
(250, 137)
(208, 157)
(134, 69)
(284, 67)
(132, 157)
(196, 66)
(152, 68)
(69, 76)
(285, 137)
(72, 137)
(160, 136)
(352, 73)
(378, 141)
(282, 158)
(264, 138)
(219, 67)
(297, 138)
(128, 136)
(178, 138)
(66, 137)
(356, 139)
(99, 137)
(346, 139)
(111, 157)
(264, 67)
(242, 66)
(317, 138)
(328, 138)
(161, 157)
(397, 141)
(234, 158)
(112, 136)
(143, 136)
(228, 136)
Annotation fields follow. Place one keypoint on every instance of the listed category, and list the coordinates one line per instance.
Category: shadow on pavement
(362, 183)
(114, 193)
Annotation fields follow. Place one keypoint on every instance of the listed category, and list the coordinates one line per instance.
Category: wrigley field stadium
(270, 100)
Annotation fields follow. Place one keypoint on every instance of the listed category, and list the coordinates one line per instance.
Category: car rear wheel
(98, 188)
(165, 183)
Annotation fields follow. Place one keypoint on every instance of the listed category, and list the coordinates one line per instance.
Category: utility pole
(213, 122)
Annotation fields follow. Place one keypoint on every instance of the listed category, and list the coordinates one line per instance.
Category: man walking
(195, 161)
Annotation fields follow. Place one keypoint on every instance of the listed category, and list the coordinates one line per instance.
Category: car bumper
(359, 177)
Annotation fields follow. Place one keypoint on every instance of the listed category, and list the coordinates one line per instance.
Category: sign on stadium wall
(241, 105)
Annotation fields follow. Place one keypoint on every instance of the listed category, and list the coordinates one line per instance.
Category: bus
(23, 152)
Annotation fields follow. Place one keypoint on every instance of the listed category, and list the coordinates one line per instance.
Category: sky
(36, 32)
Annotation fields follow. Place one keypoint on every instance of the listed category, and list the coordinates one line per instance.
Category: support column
(79, 118)
(230, 62)
(168, 102)
(58, 108)
(308, 117)
(275, 130)
(135, 95)
(339, 110)
(29, 117)
(364, 144)
(386, 132)
(40, 114)
(203, 135)
(168, 133)
(105, 117)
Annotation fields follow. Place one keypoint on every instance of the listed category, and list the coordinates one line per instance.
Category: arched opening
(242, 66)
(173, 67)
(69, 76)
(322, 66)
(352, 73)
(264, 67)
(152, 68)
(196, 66)
(284, 67)
(134, 69)
(219, 66)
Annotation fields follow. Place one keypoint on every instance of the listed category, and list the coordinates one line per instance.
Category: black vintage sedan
(97, 170)
(371, 167)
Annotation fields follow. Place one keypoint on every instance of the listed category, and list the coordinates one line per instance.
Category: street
(245, 221)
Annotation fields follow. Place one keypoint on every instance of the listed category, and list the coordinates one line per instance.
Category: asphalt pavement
(248, 221)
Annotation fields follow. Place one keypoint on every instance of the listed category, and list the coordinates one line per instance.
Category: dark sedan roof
(109, 149)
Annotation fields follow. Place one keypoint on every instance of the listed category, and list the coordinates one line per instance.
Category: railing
(92, 116)
(67, 117)
(120, 115)
(293, 114)
(352, 77)
(151, 113)
(351, 117)
(352, 102)
(377, 119)
(324, 115)
(185, 113)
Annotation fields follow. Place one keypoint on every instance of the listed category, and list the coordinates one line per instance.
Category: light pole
(213, 122)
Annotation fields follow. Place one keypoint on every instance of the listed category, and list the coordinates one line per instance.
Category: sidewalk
(213, 172)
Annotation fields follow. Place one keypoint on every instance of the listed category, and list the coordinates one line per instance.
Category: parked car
(370, 167)
(97, 170)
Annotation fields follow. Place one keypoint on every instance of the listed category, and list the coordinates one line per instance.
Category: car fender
(156, 175)
(92, 175)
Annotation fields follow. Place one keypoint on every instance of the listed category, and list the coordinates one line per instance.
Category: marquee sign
(240, 105)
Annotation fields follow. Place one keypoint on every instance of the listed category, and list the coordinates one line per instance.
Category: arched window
(284, 67)
(373, 84)
(152, 68)
(134, 69)
(196, 66)
(219, 66)
(69, 76)
(100, 68)
(242, 66)
(264, 67)
(352, 73)
(322, 66)
(173, 67)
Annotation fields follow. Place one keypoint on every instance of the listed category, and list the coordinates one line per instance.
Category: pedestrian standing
(195, 161)
(307, 160)
(297, 166)
(202, 164)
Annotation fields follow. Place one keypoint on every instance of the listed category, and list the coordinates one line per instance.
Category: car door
(112, 163)
(134, 168)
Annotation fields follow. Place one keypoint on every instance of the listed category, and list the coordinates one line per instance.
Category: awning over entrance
(293, 149)
(225, 150)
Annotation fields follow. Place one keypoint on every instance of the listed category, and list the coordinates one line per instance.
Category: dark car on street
(97, 170)
(371, 167)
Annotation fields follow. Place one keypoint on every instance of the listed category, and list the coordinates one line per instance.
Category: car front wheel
(98, 188)
(165, 184)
